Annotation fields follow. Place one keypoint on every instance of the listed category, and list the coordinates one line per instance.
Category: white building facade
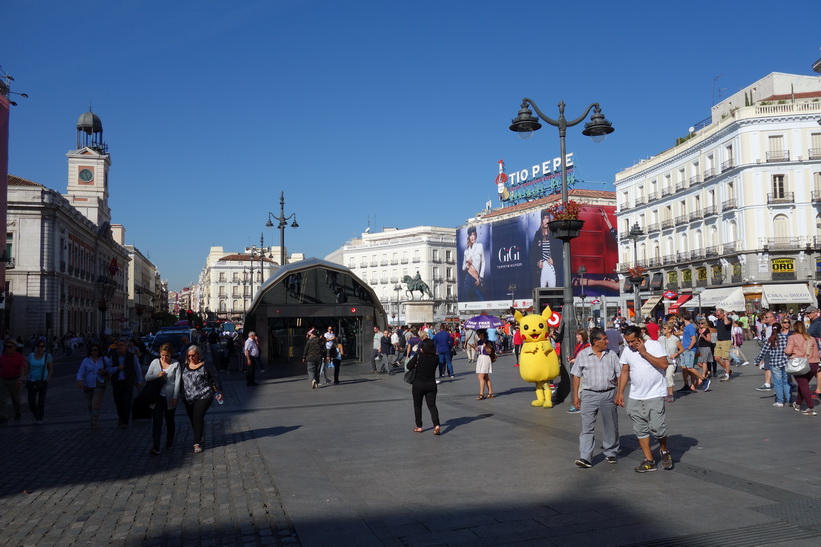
(732, 212)
(229, 281)
(383, 260)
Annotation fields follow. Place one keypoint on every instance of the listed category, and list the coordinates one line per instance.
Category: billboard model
(522, 251)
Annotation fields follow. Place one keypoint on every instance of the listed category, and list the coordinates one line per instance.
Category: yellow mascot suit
(538, 362)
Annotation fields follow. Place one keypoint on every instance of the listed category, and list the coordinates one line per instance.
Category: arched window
(713, 236)
(222, 305)
(671, 248)
(699, 242)
(781, 226)
(235, 305)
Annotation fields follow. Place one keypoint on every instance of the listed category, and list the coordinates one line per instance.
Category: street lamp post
(635, 233)
(511, 290)
(582, 270)
(398, 289)
(597, 128)
(282, 223)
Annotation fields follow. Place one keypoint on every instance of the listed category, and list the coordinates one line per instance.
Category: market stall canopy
(649, 305)
(793, 293)
(677, 304)
(729, 299)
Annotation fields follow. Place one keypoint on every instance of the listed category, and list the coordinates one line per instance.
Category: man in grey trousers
(597, 370)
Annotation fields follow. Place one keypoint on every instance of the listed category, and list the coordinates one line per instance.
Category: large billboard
(502, 262)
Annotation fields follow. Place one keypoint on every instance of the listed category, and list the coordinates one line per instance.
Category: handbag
(152, 390)
(410, 375)
(799, 365)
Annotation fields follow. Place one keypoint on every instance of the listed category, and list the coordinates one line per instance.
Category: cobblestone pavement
(286, 464)
(65, 484)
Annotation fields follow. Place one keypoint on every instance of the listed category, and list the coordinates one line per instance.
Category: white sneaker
(745, 363)
(779, 405)
(313, 384)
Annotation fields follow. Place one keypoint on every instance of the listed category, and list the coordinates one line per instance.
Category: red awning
(681, 300)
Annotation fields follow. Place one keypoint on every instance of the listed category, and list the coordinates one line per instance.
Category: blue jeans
(781, 385)
(445, 359)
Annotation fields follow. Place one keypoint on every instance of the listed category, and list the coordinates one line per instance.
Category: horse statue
(416, 284)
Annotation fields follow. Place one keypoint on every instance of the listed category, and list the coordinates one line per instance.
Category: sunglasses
(190, 355)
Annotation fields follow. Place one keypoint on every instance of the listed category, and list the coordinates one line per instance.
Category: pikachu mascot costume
(538, 362)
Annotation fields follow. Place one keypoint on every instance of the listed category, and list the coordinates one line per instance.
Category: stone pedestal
(419, 312)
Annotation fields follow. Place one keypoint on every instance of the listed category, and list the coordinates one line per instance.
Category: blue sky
(381, 112)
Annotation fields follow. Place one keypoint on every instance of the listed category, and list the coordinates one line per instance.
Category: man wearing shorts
(724, 327)
(692, 377)
(644, 365)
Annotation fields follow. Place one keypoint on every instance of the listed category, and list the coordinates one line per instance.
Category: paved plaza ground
(340, 465)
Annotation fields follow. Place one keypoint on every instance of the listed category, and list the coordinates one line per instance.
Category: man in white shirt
(644, 365)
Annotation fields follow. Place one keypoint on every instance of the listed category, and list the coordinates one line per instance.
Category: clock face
(86, 175)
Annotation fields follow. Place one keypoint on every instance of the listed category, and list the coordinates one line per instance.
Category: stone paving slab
(339, 465)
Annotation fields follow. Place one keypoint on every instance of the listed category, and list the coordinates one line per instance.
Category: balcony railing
(394, 279)
(816, 242)
(681, 185)
(374, 281)
(728, 204)
(710, 210)
(814, 153)
(654, 227)
(383, 262)
(727, 165)
(712, 251)
(780, 197)
(696, 215)
(778, 155)
(653, 196)
(624, 206)
(695, 179)
(383, 280)
(682, 256)
(394, 261)
(668, 259)
(666, 223)
(363, 264)
(655, 262)
(709, 173)
(436, 260)
(731, 247)
(697, 254)
(781, 243)
(403, 261)
(681, 220)
(374, 263)
(640, 200)
(816, 195)
(416, 260)
(666, 191)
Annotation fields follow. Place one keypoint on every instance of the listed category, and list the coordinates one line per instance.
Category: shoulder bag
(410, 375)
(799, 365)
(37, 384)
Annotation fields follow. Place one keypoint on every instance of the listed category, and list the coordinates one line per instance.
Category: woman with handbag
(426, 362)
(39, 368)
(200, 385)
(773, 351)
(801, 344)
(165, 372)
(92, 378)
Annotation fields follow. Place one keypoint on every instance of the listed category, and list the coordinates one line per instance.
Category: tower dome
(90, 123)
(90, 132)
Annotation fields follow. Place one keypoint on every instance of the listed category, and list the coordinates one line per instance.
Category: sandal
(480, 397)
(417, 430)
(490, 395)
(197, 449)
(436, 430)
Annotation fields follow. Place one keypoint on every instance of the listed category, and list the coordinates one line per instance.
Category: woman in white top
(166, 406)
(473, 264)
(672, 344)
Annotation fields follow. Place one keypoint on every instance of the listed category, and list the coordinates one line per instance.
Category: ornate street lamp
(282, 223)
(582, 270)
(635, 233)
(598, 128)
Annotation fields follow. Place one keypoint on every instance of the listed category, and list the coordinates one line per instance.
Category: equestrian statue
(416, 284)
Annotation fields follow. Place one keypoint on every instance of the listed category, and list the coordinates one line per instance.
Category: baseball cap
(810, 309)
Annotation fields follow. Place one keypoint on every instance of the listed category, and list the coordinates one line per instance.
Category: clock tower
(88, 171)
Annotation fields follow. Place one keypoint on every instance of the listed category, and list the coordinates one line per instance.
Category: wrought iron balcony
(816, 196)
(668, 259)
(640, 200)
(709, 173)
(666, 223)
(666, 191)
(681, 185)
(624, 206)
(778, 155)
(681, 220)
(710, 210)
(728, 204)
(695, 179)
(653, 196)
(394, 261)
(696, 215)
(814, 153)
(697, 254)
(712, 251)
(727, 165)
(780, 197)
(654, 227)
(731, 247)
(683, 256)
(781, 243)
(654, 262)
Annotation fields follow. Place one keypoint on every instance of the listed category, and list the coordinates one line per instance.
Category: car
(170, 336)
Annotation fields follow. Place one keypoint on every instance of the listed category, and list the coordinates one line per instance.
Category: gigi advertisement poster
(522, 251)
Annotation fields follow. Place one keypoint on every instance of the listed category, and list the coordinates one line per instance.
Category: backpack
(402, 341)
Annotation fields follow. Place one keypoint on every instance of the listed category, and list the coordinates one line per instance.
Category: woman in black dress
(426, 362)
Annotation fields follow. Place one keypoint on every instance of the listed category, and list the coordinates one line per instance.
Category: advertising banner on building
(505, 260)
